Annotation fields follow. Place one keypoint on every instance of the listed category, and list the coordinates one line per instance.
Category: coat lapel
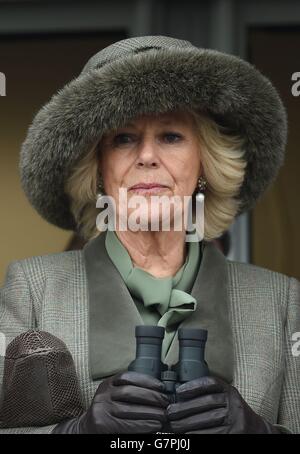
(113, 314)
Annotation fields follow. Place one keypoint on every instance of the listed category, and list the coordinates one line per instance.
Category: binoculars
(191, 363)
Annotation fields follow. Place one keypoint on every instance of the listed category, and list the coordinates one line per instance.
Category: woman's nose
(148, 153)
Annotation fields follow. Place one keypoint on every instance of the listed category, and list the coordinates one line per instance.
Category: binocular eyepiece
(191, 363)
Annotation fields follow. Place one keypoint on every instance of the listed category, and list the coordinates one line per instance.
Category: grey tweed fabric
(50, 292)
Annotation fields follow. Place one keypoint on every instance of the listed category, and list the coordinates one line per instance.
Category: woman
(199, 123)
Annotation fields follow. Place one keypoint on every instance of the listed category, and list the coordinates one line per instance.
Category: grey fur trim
(130, 78)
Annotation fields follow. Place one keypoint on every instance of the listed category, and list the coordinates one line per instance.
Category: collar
(170, 291)
(113, 314)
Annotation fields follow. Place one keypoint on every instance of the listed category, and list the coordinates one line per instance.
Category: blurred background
(44, 44)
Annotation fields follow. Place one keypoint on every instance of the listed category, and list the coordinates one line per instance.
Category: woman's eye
(171, 137)
(120, 139)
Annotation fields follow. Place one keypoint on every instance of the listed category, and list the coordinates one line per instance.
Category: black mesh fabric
(40, 385)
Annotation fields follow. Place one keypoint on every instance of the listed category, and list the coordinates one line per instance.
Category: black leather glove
(210, 405)
(128, 402)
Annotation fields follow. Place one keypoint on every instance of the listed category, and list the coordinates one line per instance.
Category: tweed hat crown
(144, 75)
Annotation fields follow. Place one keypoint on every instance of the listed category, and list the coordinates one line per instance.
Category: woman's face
(160, 149)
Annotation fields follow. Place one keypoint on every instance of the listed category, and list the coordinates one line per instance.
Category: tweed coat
(251, 314)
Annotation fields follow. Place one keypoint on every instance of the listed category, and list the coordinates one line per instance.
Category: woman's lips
(149, 190)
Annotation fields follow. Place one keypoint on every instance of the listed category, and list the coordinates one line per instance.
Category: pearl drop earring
(202, 184)
(100, 188)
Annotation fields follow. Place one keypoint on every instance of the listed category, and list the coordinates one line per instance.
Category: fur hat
(150, 74)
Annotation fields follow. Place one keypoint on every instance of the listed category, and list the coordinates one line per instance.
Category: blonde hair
(223, 167)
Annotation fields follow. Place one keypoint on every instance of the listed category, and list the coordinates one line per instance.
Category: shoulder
(262, 284)
(35, 270)
(253, 274)
(254, 282)
(48, 262)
